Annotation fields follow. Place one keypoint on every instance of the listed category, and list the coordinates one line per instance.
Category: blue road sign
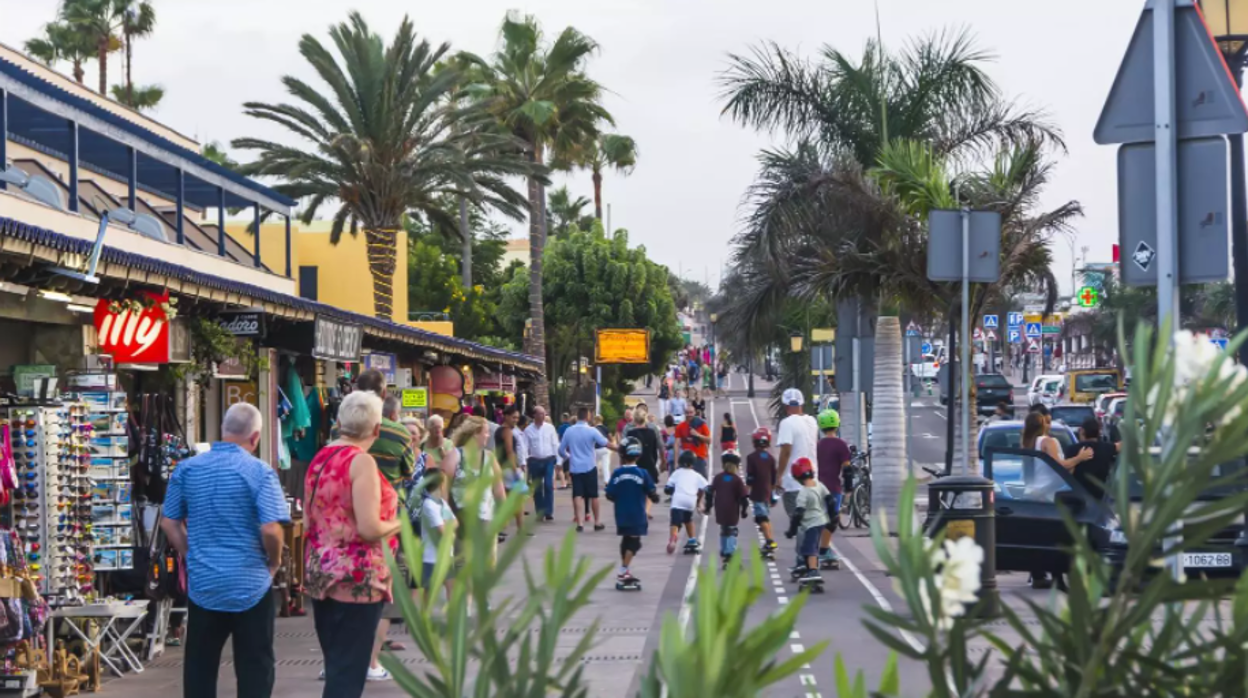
(1016, 336)
(1033, 330)
(1015, 319)
(991, 322)
(927, 347)
(1220, 342)
(912, 333)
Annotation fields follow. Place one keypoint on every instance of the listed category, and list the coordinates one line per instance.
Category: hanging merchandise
(111, 510)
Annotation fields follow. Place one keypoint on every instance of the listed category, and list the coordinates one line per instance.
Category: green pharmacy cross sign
(1088, 297)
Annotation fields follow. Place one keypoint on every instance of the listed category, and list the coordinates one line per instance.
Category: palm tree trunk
(888, 418)
(381, 262)
(129, 60)
(598, 196)
(80, 75)
(102, 58)
(537, 245)
(465, 234)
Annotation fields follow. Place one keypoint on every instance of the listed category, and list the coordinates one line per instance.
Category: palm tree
(539, 91)
(608, 150)
(138, 21)
(140, 98)
(387, 141)
(102, 22)
(62, 41)
(564, 212)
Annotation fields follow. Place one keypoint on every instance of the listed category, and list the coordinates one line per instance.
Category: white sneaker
(378, 674)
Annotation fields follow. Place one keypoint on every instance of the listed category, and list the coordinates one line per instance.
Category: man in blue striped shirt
(223, 512)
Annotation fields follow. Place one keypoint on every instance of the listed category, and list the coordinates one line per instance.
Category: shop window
(308, 282)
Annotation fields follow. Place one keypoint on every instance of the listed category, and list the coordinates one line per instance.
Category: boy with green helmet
(832, 455)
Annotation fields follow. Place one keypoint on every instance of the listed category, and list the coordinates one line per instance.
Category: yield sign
(978, 333)
(1033, 346)
(992, 336)
(1207, 102)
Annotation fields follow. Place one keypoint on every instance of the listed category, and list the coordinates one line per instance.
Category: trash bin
(961, 506)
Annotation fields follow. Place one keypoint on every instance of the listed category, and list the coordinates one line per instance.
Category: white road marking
(783, 600)
(807, 679)
(940, 414)
(879, 597)
(795, 635)
(797, 649)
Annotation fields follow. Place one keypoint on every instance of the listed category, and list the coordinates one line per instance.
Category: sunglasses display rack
(52, 503)
(112, 529)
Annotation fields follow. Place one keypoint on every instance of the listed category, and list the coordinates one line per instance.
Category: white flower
(957, 567)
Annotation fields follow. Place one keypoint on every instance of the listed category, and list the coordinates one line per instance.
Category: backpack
(663, 393)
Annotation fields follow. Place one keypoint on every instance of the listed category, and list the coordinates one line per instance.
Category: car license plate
(1206, 559)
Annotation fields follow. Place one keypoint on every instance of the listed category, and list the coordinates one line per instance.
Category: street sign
(944, 246)
(1015, 319)
(1033, 346)
(991, 321)
(992, 336)
(1207, 103)
(927, 348)
(1203, 214)
(621, 346)
(1088, 297)
(978, 334)
(1016, 336)
(913, 333)
(1219, 342)
(1033, 330)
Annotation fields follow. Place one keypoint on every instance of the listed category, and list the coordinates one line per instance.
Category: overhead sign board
(242, 323)
(618, 346)
(1203, 217)
(1207, 102)
(336, 341)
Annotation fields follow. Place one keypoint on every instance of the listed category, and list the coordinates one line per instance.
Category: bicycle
(856, 509)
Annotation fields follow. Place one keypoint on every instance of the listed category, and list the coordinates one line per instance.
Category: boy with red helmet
(760, 476)
(810, 516)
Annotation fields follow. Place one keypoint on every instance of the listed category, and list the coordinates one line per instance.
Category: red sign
(134, 332)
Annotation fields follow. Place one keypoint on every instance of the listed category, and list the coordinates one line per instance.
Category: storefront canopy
(38, 245)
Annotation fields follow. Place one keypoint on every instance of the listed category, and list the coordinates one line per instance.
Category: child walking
(730, 500)
(760, 475)
(629, 488)
(809, 518)
(687, 487)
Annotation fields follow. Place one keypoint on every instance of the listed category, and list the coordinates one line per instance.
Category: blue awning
(418, 337)
(40, 111)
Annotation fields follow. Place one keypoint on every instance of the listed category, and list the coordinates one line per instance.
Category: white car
(928, 368)
(1046, 390)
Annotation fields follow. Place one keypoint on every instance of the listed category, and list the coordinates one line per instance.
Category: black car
(991, 389)
(1031, 536)
(1072, 416)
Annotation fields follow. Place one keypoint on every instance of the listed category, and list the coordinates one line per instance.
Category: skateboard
(813, 584)
(633, 584)
(829, 564)
(693, 549)
(796, 572)
(767, 553)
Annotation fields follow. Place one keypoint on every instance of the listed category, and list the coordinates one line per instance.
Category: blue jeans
(542, 477)
(727, 540)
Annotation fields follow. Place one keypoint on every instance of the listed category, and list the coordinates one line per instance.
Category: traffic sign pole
(1166, 146)
(966, 342)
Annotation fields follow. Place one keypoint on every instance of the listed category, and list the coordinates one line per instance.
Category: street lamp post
(795, 343)
(1228, 22)
(714, 351)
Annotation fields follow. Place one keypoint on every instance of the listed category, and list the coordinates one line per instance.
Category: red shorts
(727, 445)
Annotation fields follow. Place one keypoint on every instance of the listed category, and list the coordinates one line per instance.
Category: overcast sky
(660, 59)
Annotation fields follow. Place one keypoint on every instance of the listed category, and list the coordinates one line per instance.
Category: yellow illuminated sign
(622, 347)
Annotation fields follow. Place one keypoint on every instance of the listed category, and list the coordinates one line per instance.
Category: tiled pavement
(625, 622)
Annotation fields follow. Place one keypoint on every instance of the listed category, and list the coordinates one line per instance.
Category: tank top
(340, 565)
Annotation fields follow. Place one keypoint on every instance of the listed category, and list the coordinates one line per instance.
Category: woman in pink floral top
(350, 511)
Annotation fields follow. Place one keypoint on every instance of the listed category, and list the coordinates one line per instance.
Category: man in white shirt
(676, 407)
(543, 445)
(798, 438)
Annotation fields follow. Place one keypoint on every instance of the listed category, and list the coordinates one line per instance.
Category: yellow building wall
(343, 279)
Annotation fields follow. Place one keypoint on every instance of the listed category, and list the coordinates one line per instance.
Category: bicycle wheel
(845, 517)
(862, 505)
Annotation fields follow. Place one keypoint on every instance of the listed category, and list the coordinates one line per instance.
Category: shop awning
(34, 243)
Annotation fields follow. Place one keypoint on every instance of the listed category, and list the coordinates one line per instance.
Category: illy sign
(243, 323)
(134, 332)
(337, 341)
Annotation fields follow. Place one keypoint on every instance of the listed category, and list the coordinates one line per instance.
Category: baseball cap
(792, 397)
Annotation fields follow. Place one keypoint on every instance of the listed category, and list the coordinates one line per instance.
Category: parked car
(1113, 415)
(1085, 385)
(1072, 416)
(1101, 404)
(926, 368)
(1032, 537)
(1009, 434)
(1045, 390)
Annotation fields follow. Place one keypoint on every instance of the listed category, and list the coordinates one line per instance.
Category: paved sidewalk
(625, 621)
